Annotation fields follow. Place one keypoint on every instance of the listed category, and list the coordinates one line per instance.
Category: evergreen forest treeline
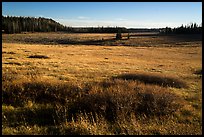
(29, 24)
(12, 24)
(191, 28)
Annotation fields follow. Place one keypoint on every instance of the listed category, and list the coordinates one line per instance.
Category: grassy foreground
(101, 90)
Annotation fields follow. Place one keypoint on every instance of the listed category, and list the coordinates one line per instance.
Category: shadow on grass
(198, 72)
(39, 56)
(70, 41)
(154, 79)
(41, 116)
(87, 42)
(8, 52)
(68, 130)
(182, 37)
(13, 63)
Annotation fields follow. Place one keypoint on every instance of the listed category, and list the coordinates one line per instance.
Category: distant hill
(12, 24)
(29, 24)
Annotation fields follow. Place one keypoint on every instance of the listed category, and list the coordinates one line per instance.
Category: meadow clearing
(61, 83)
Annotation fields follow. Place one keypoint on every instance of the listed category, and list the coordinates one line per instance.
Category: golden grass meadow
(91, 84)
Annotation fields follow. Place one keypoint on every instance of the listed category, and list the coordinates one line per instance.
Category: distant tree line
(12, 24)
(136, 30)
(96, 29)
(29, 24)
(192, 28)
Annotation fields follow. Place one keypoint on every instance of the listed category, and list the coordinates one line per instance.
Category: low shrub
(154, 79)
(38, 56)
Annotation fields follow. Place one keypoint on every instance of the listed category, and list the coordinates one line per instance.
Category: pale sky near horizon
(123, 14)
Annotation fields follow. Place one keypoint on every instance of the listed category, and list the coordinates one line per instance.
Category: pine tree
(118, 35)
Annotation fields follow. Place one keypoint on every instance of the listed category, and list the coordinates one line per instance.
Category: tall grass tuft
(18, 94)
(119, 99)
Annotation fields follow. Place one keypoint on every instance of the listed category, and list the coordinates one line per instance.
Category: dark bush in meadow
(38, 56)
(118, 35)
(154, 79)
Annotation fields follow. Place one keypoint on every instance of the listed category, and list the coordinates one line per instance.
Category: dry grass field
(145, 85)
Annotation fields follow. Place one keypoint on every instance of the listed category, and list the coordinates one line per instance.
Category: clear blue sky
(126, 14)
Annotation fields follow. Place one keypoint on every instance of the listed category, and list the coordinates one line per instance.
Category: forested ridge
(12, 24)
(191, 28)
(29, 24)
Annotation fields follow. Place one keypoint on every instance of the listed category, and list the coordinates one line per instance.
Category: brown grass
(100, 90)
(114, 102)
(136, 39)
(121, 98)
